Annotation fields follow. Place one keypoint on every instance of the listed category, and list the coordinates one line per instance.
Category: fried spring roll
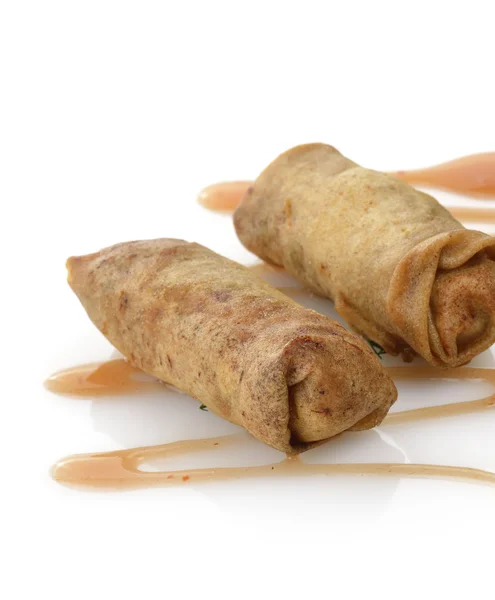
(207, 325)
(400, 269)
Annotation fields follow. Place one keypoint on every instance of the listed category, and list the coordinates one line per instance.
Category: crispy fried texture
(400, 269)
(210, 327)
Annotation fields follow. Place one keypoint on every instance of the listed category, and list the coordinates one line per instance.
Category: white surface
(112, 116)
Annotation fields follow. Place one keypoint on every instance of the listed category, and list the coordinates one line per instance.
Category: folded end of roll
(442, 297)
(324, 381)
(75, 264)
(462, 312)
(334, 385)
(79, 270)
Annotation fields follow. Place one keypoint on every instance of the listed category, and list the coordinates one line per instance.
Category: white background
(112, 116)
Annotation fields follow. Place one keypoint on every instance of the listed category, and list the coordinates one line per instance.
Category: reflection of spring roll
(398, 266)
(213, 329)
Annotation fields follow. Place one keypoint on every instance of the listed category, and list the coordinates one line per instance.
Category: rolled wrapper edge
(410, 290)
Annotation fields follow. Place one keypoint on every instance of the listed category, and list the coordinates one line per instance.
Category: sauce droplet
(109, 378)
(225, 196)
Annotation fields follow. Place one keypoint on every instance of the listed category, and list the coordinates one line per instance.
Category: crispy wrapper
(207, 325)
(400, 269)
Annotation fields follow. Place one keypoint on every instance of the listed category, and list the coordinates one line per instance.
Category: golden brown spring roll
(207, 325)
(400, 269)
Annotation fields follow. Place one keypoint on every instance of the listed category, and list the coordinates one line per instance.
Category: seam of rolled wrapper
(295, 446)
(277, 373)
(276, 378)
(409, 305)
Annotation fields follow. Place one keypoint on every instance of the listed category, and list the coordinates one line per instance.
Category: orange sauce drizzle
(111, 378)
(472, 175)
(473, 214)
(120, 469)
(223, 197)
(443, 410)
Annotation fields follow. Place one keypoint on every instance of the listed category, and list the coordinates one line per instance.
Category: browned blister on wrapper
(207, 325)
(400, 269)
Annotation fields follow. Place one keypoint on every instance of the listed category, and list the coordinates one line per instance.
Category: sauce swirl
(120, 469)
